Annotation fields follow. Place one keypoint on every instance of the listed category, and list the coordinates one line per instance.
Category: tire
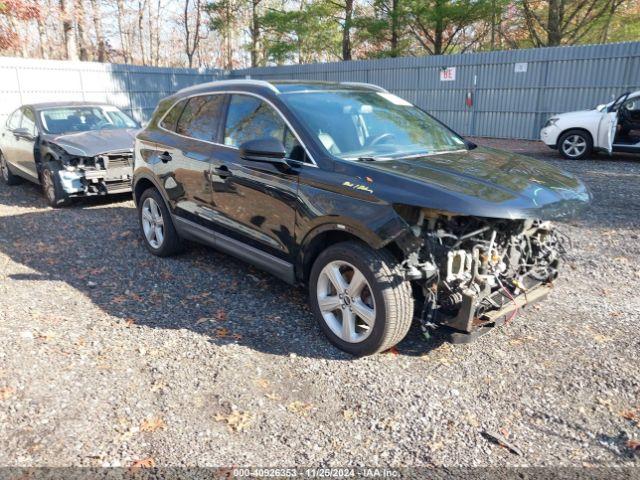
(575, 144)
(153, 214)
(5, 171)
(386, 291)
(52, 188)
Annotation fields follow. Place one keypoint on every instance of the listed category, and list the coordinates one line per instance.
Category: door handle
(166, 157)
(223, 171)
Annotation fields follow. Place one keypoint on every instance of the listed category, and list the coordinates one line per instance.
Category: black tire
(5, 171)
(171, 242)
(391, 292)
(582, 141)
(51, 186)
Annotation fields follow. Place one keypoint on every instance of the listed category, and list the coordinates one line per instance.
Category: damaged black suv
(382, 211)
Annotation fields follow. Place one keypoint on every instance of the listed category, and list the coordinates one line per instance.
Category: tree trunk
(395, 7)
(255, 33)
(69, 34)
(346, 31)
(42, 36)
(81, 37)
(97, 25)
(141, 8)
(123, 36)
(554, 20)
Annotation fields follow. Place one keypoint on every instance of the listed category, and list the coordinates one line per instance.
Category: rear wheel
(360, 298)
(51, 187)
(158, 231)
(575, 144)
(8, 177)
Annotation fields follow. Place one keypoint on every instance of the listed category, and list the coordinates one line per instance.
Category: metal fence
(136, 90)
(512, 92)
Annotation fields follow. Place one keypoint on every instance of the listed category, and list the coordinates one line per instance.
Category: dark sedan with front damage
(72, 149)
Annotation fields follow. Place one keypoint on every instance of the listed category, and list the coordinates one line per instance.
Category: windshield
(364, 124)
(82, 119)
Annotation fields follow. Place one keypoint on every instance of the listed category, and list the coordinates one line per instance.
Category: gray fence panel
(134, 89)
(506, 103)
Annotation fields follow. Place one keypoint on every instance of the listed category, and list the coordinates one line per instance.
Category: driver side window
(29, 121)
(250, 118)
(14, 120)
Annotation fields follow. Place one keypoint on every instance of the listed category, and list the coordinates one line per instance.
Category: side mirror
(269, 150)
(23, 133)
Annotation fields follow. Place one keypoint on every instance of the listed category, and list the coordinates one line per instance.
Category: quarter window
(201, 117)
(14, 120)
(171, 118)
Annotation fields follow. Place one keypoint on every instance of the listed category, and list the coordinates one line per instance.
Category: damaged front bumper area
(477, 273)
(105, 174)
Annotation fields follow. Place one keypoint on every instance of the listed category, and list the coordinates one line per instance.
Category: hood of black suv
(482, 182)
(94, 142)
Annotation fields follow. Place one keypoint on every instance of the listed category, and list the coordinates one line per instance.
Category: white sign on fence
(521, 67)
(448, 74)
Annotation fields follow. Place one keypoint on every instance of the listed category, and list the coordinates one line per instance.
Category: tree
(68, 31)
(564, 22)
(192, 28)
(224, 19)
(12, 11)
(97, 25)
(440, 25)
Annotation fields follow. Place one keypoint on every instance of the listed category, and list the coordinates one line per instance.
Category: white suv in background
(612, 127)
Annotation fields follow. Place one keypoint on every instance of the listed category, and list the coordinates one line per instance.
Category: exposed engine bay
(478, 272)
(99, 175)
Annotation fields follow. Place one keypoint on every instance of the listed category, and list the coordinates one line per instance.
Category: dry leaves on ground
(152, 425)
(301, 408)
(237, 421)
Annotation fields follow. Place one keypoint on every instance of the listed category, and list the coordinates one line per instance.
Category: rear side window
(14, 120)
(171, 118)
(201, 117)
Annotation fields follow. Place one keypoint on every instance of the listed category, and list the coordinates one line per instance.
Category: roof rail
(235, 81)
(371, 86)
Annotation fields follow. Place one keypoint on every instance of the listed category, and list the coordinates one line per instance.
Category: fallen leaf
(152, 425)
(634, 445)
(236, 421)
(6, 392)
(129, 322)
(348, 414)
(143, 463)
(221, 315)
(272, 396)
(263, 383)
(301, 408)
(629, 415)
(222, 332)
(393, 351)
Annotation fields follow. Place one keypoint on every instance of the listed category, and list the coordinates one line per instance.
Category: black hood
(95, 142)
(481, 182)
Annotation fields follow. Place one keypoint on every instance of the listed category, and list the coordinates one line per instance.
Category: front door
(255, 202)
(607, 130)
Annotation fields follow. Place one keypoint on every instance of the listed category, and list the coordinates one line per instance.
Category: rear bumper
(477, 327)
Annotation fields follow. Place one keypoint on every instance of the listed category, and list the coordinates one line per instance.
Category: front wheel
(51, 187)
(575, 144)
(360, 299)
(159, 234)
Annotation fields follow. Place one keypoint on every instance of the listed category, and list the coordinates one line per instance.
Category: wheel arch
(574, 129)
(327, 234)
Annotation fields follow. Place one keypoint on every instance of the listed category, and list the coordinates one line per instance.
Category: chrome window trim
(237, 92)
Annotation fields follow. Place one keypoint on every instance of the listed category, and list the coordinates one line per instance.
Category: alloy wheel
(152, 223)
(346, 301)
(47, 185)
(574, 145)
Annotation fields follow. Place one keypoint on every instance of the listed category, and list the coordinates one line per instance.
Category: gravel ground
(112, 357)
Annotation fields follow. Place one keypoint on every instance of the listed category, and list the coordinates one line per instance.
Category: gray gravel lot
(110, 356)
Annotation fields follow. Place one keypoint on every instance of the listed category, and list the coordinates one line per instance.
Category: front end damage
(104, 174)
(476, 273)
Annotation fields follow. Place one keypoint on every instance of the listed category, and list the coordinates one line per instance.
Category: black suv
(381, 210)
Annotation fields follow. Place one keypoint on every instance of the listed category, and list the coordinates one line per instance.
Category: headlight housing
(551, 121)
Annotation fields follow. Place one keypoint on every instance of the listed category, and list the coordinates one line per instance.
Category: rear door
(10, 142)
(185, 156)
(255, 202)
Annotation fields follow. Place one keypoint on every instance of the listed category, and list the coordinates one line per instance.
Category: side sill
(276, 266)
